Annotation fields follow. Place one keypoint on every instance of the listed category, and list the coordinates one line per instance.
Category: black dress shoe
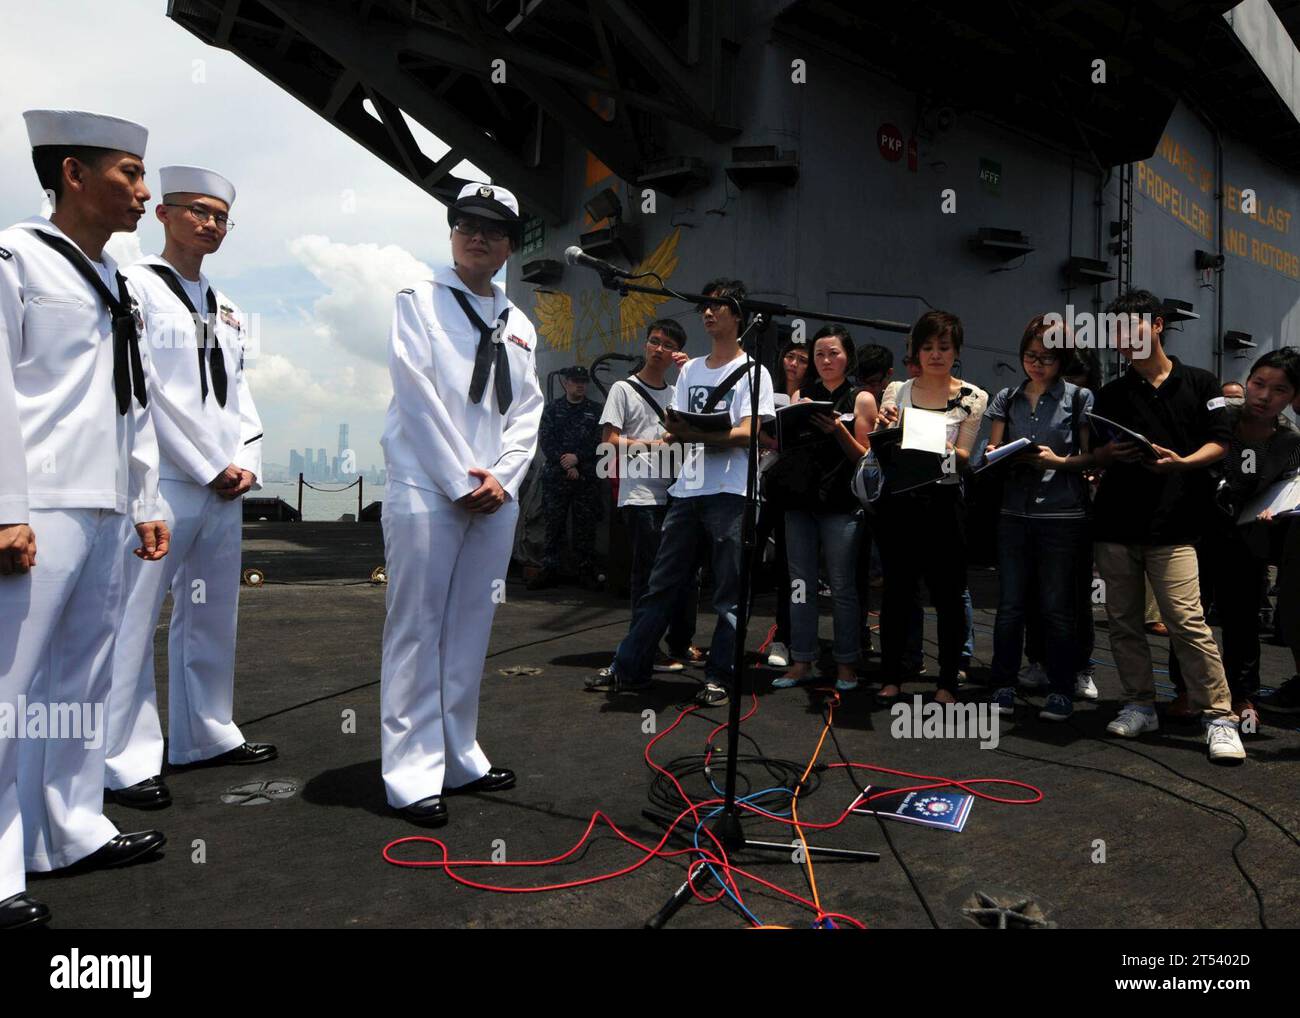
(20, 911)
(430, 812)
(150, 793)
(498, 779)
(248, 753)
(123, 849)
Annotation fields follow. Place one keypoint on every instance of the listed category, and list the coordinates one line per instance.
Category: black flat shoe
(248, 753)
(121, 850)
(21, 911)
(498, 779)
(150, 793)
(430, 812)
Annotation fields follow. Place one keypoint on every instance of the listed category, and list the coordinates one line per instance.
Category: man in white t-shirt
(709, 494)
(633, 433)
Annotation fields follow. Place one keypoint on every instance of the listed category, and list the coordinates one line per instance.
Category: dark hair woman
(1043, 542)
(793, 370)
(1234, 558)
(926, 525)
(826, 519)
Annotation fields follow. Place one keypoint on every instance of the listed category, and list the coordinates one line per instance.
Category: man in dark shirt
(567, 438)
(1148, 512)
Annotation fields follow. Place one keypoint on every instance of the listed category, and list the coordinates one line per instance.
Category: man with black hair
(1149, 512)
(210, 453)
(633, 437)
(79, 452)
(567, 438)
(875, 368)
(709, 495)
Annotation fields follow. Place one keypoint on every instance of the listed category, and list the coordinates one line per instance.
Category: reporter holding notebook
(1148, 515)
(1234, 552)
(1043, 545)
(825, 518)
(927, 525)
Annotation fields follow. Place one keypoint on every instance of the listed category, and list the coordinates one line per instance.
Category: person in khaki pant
(1150, 509)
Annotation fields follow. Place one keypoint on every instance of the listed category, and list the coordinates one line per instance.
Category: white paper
(925, 430)
(1282, 496)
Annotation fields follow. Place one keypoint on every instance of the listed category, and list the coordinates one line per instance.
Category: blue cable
(712, 869)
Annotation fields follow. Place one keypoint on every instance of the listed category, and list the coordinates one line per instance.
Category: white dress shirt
(58, 404)
(433, 434)
(197, 437)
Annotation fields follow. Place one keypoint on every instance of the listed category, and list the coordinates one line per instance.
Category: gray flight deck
(309, 651)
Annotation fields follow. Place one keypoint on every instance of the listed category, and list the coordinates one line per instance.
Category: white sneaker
(1133, 721)
(1084, 687)
(1223, 741)
(1033, 677)
(778, 655)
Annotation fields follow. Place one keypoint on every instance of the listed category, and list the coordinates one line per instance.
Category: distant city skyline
(316, 465)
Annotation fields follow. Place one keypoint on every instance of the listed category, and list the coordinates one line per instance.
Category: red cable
(703, 856)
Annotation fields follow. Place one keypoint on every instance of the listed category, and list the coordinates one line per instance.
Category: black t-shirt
(1136, 506)
(832, 491)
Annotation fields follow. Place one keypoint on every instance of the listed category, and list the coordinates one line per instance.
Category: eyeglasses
(796, 358)
(202, 214)
(661, 344)
(1041, 358)
(470, 227)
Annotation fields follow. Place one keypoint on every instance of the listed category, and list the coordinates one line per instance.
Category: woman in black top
(823, 515)
(794, 372)
(1264, 448)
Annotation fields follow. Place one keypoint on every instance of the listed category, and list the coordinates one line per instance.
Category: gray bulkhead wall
(862, 235)
(1176, 213)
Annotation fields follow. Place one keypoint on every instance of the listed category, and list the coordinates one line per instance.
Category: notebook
(1003, 453)
(1109, 430)
(1281, 498)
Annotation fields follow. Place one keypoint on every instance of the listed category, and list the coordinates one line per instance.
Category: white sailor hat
(487, 201)
(195, 180)
(77, 127)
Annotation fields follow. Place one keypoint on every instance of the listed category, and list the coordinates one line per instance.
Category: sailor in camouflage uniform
(569, 434)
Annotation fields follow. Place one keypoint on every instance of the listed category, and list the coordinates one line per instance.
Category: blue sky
(325, 233)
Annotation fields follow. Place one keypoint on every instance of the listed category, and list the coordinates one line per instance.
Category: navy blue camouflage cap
(577, 373)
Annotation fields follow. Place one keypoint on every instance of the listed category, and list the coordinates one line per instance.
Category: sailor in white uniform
(79, 454)
(459, 437)
(210, 451)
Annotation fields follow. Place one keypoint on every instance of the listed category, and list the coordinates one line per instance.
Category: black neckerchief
(128, 369)
(205, 328)
(484, 357)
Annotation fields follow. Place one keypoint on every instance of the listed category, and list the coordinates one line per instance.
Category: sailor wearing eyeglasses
(210, 444)
(460, 434)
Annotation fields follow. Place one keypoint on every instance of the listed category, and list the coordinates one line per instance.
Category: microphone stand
(727, 827)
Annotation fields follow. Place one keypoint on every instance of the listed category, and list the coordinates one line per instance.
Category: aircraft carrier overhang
(996, 159)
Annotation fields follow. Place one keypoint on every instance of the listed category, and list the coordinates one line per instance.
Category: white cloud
(308, 195)
(362, 280)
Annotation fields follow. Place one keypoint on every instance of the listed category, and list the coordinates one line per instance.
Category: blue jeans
(718, 517)
(645, 529)
(1039, 560)
(837, 535)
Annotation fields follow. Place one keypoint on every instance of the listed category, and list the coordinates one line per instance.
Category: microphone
(577, 256)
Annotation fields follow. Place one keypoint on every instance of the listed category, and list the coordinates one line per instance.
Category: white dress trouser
(202, 571)
(446, 572)
(57, 624)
